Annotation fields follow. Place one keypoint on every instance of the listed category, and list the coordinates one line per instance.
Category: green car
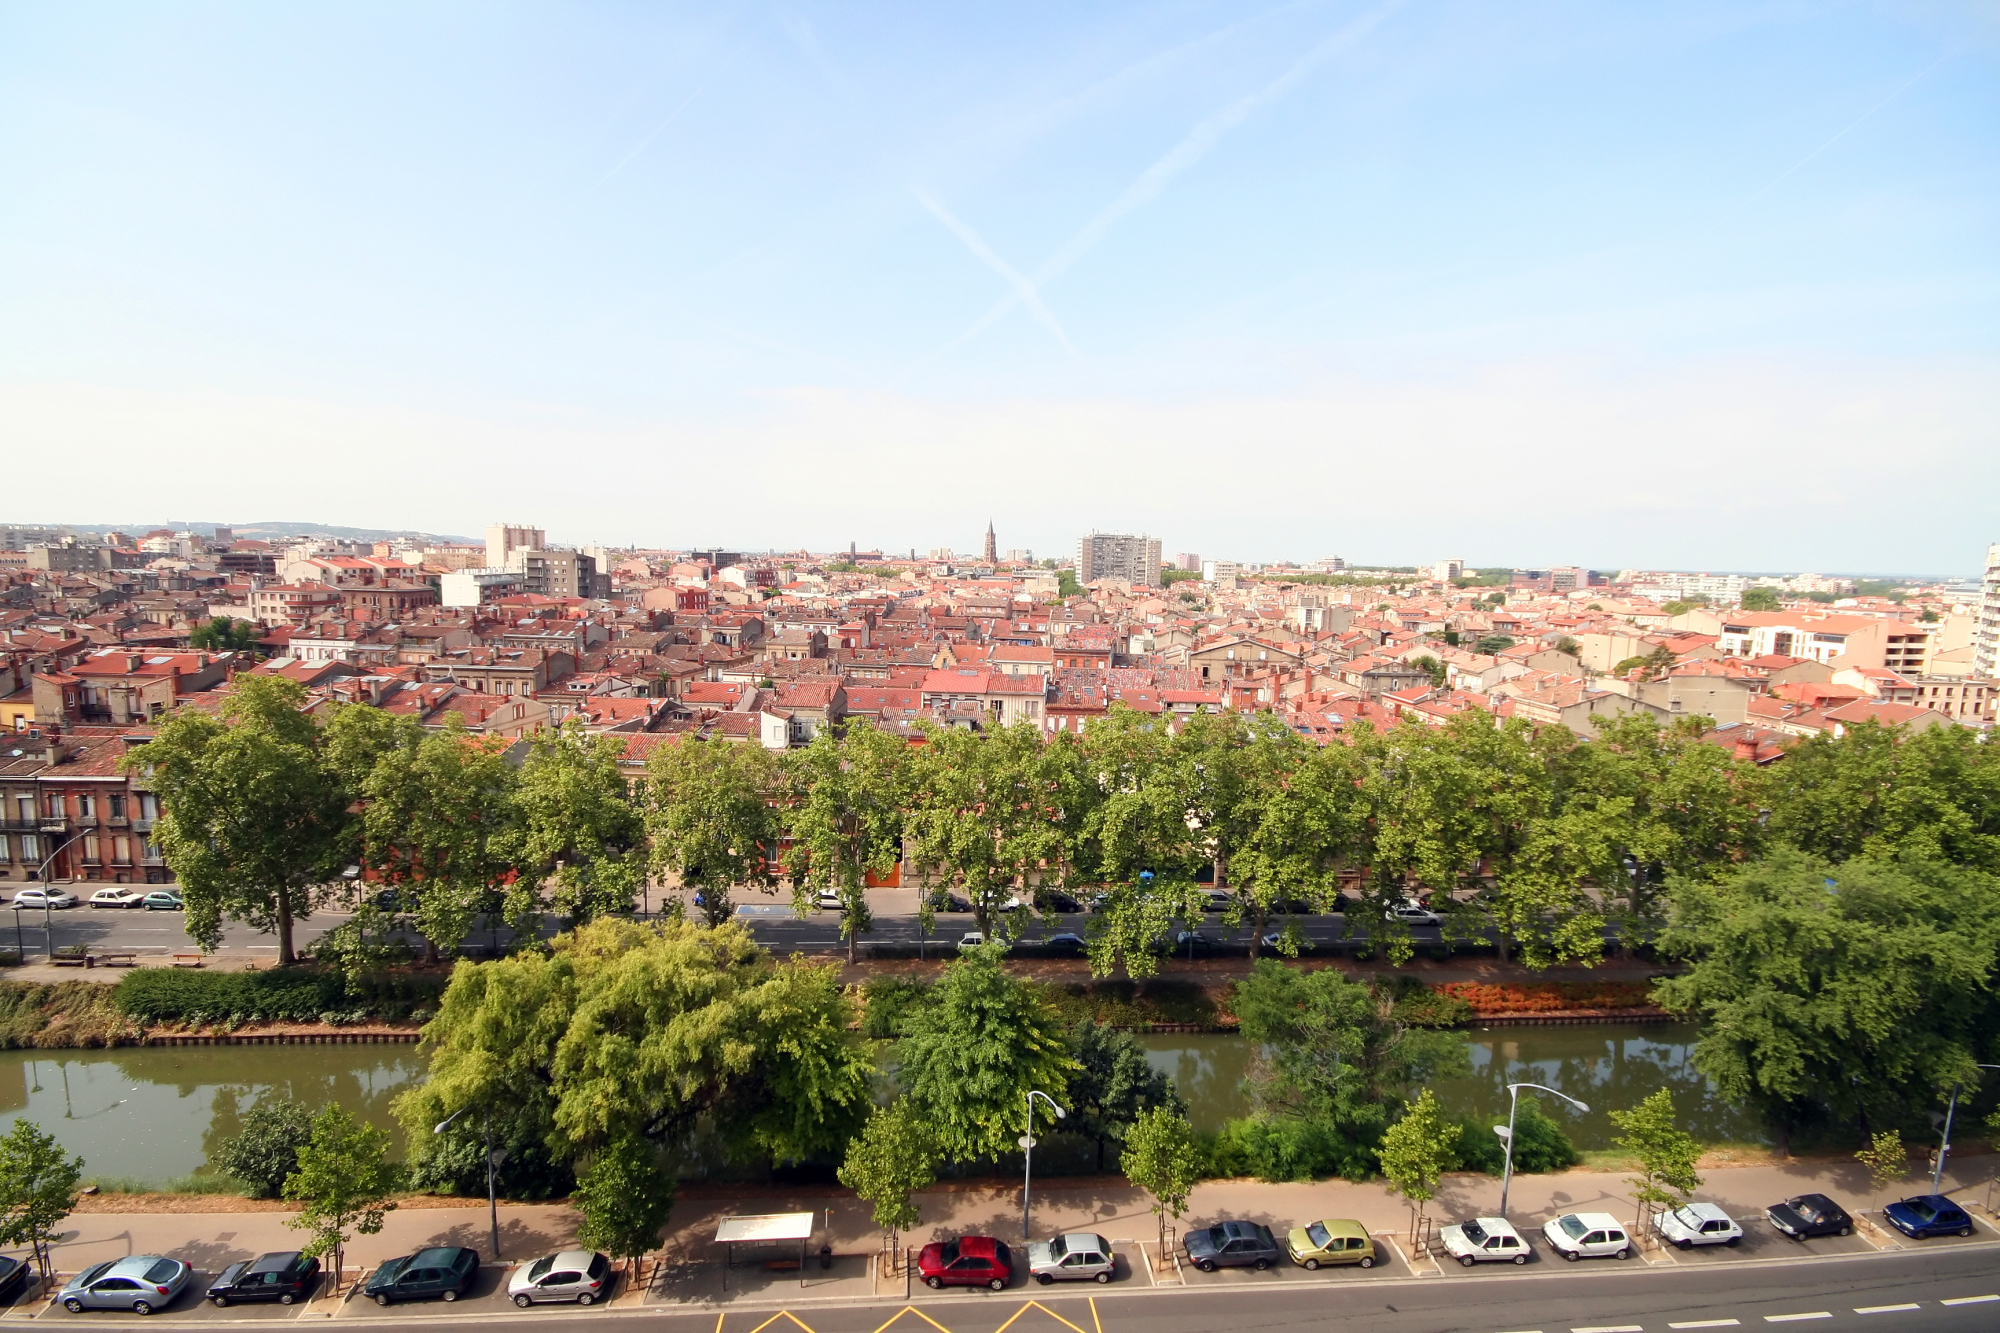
(1334, 1241)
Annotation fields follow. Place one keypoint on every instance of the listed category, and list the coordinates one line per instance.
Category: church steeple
(992, 546)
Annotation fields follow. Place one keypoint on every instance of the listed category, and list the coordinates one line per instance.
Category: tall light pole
(492, 1160)
(1028, 1147)
(1506, 1131)
(1944, 1144)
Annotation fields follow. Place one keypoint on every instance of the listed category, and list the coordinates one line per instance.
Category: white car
(1484, 1240)
(1698, 1224)
(1412, 915)
(44, 898)
(582, 1276)
(116, 896)
(971, 939)
(831, 902)
(1587, 1236)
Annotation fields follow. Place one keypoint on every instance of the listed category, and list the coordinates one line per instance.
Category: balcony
(20, 826)
(53, 823)
(140, 824)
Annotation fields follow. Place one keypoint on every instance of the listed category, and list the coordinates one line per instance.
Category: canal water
(153, 1113)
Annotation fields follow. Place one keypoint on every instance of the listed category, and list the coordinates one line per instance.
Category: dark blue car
(1928, 1215)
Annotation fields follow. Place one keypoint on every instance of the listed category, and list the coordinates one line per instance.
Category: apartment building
(1986, 637)
(1118, 555)
(1824, 636)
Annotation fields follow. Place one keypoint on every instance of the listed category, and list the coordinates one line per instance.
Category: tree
(1162, 1158)
(1066, 584)
(1113, 1082)
(1667, 1155)
(1842, 993)
(1886, 1158)
(223, 635)
(1417, 1150)
(844, 801)
(265, 1150)
(1566, 644)
(623, 1198)
(1436, 669)
(1492, 645)
(578, 836)
(252, 816)
(970, 1056)
(1759, 599)
(893, 1157)
(1877, 790)
(711, 809)
(345, 1181)
(37, 1189)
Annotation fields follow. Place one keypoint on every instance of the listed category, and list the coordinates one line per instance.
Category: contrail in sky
(626, 160)
(1022, 289)
(1902, 88)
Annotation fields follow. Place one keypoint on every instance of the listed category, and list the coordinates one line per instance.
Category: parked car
(117, 895)
(164, 900)
(1587, 1236)
(1216, 900)
(285, 1277)
(44, 898)
(395, 900)
(1484, 1240)
(1192, 943)
(1271, 938)
(969, 1261)
(142, 1284)
(1810, 1215)
(1698, 1224)
(1333, 1241)
(446, 1272)
(569, 1275)
(1412, 915)
(971, 939)
(1068, 942)
(1048, 900)
(943, 901)
(1928, 1215)
(831, 902)
(1232, 1245)
(13, 1277)
(1076, 1257)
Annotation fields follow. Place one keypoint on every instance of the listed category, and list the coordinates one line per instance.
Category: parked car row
(115, 895)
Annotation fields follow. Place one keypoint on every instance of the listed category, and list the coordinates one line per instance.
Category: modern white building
(476, 587)
(1986, 635)
(1134, 558)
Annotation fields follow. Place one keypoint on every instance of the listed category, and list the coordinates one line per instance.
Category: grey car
(1077, 1257)
(1232, 1245)
(570, 1275)
(142, 1284)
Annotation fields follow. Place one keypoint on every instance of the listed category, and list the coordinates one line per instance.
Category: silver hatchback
(142, 1284)
(571, 1275)
(1077, 1257)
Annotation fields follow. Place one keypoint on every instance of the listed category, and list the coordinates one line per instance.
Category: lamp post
(1028, 1147)
(492, 1160)
(42, 875)
(1944, 1143)
(1506, 1131)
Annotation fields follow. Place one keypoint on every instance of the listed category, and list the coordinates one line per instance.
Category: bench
(117, 958)
(781, 1265)
(71, 955)
(187, 960)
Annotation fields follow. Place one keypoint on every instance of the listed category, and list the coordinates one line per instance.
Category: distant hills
(270, 530)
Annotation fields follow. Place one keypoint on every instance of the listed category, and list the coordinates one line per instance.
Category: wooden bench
(70, 956)
(117, 958)
(781, 1265)
(187, 960)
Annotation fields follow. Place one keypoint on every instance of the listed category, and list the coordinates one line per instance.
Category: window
(86, 806)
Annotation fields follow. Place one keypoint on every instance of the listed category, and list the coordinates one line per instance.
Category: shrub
(62, 1014)
(885, 1001)
(1130, 1004)
(1544, 997)
(291, 995)
(1540, 1142)
(1287, 1148)
(266, 1151)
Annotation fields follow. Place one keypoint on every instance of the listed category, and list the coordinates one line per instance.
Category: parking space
(1389, 1263)
(207, 1309)
(487, 1296)
(1981, 1235)
(187, 1302)
(1538, 1262)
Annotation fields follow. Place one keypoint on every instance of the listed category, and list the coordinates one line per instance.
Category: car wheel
(1622, 1254)
(1465, 1261)
(998, 1284)
(450, 1294)
(1685, 1245)
(585, 1298)
(1733, 1242)
(1105, 1276)
(1312, 1265)
(1847, 1231)
(1263, 1264)
(287, 1298)
(523, 1301)
(382, 1301)
(1520, 1259)
(1206, 1265)
(221, 1302)
(1965, 1231)
(1571, 1255)
(934, 1283)
(142, 1308)
(1045, 1279)
(1368, 1261)
(73, 1305)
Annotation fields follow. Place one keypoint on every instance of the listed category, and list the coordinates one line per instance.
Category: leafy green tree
(623, 1198)
(1759, 599)
(844, 818)
(577, 837)
(252, 817)
(1434, 668)
(970, 1056)
(1877, 790)
(711, 808)
(1162, 1157)
(38, 1189)
(1112, 1083)
(1492, 645)
(1887, 1160)
(1836, 993)
(1566, 644)
(1066, 584)
(1417, 1150)
(265, 1150)
(893, 1157)
(346, 1182)
(1667, 1155)
(223, 635)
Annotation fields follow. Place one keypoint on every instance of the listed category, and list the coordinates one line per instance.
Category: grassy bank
(67, 1014)
(76, 1014)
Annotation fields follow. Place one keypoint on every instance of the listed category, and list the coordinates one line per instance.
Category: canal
(153, 1113)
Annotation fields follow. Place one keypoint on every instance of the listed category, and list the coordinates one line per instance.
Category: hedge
(290, 995)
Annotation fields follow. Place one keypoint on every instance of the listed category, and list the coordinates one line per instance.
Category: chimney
(1746, 749)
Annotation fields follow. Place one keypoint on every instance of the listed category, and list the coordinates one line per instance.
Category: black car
(1050, 901)
(1194, 944)
(1810, 1215)
(284, 1277)
(1068, 944)
(446, 1272)
(942, 900)
(1232, 1245)
(13, 1277)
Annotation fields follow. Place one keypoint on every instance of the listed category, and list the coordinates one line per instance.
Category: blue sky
(1688, 285)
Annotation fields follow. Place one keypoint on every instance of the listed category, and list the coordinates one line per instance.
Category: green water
(1607, 1066)
(153, 1113)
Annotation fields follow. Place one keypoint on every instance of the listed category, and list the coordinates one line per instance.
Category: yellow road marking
(911, 1309)
(1094, 1320)
(1037, 1305)
(718, 1323)
(782, 1314)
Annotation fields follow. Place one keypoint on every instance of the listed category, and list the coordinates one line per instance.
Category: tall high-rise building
(503, 539)
(1118, 555)
(992, 545)
(1444, 571)
(1986, 638)
(1188, 560)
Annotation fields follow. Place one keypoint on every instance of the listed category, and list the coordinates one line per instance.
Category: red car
(969, 1261)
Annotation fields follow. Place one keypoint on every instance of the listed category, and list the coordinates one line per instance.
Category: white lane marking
(1791, 1318)
(1969, 1300)
(1707, 1323)
(1612, 1328)
(1887, 1309)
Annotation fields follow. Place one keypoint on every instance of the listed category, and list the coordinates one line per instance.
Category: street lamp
(1944, 1144)
(1506, 1131)
(493, 1159)
(1027, 1142)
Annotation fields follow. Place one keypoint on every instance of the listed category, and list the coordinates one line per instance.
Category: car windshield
(1807, 1209)
(598, 1265)
(1059, 1247)
(91, 1275)
(1686, 1217)
(1922, 1211)
(1473, 1232)
(949, 1253)
(1318, 1235)
(1573, 1225)
(541, 1266)
(162, 1270)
